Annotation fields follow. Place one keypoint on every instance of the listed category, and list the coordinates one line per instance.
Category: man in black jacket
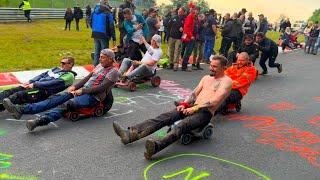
(175, 29)
(78, 14)
(269, 51)
(230, 34)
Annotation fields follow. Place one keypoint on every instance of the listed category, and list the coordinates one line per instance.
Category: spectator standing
(188, 36)
(166, 20)
(306, 32)
(285, 37)
(135, 27)
(153, 24)
(230, 35)
(199, 42)
(210, 32)
(26, 7)
(175, 29)
(242, 12)
(262, 25)
(286, 23)
(127, 4)
(78, 14)
(68, 16)
(314, 33)
(88, 15)
(102, 29)
(249, 25)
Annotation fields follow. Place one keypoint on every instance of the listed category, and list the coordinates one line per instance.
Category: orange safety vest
(241, 77)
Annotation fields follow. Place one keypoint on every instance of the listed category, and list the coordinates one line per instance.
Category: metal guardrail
(15, 14)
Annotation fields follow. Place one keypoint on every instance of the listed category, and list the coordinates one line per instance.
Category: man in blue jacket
(102, 25)
(135, 27)
(42, 86)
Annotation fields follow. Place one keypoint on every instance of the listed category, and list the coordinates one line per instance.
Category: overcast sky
(295, 9)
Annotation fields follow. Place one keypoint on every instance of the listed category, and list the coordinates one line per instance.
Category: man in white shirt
(148, 64)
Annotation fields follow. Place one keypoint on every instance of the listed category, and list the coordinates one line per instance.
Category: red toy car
(131, 85)
(98, 111)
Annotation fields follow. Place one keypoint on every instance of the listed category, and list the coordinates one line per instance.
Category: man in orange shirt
(243, 74)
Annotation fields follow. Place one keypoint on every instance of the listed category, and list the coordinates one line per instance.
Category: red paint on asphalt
(282, 106)
(315, 121)
(284, 136)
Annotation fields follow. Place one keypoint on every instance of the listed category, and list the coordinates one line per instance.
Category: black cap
(244, 10)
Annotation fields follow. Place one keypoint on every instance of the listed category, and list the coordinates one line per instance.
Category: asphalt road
(276, 134)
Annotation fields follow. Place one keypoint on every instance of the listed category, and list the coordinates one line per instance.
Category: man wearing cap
(87, 93)
(153, 23)
(262, 25)
(148, 64)
(42, 86)
(102, 25)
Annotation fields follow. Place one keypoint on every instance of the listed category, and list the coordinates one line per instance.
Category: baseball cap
(153, 9)
(244, 10)
(108, 52)
(260, 15)
(157, 38)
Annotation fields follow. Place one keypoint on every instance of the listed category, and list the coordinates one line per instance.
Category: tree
(203, 4)
(315, 16)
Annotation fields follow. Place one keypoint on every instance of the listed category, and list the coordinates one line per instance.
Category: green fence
(141, 4)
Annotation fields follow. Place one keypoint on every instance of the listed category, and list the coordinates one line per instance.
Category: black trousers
(122, 35)
(20, 95)
(68, 24)
(27, 14)
(226, 44)
(272, 56)
(77, 24)
(197, 120)
(134, 48)
(234, 97)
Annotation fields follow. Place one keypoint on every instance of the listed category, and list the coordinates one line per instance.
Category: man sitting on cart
(147, 66)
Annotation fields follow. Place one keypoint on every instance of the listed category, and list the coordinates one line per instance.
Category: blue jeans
(52, 102)
(99, 44)
(208, 47)
(83, 101)
(187, 48)
(142, 70)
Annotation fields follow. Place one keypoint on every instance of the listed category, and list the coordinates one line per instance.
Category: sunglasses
(64, 63)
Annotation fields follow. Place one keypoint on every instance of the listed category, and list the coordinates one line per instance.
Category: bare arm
(221, 94)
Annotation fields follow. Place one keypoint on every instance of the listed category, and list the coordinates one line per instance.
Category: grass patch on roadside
(41, 44)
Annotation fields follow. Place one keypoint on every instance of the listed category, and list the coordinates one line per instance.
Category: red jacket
(241, 77)
(188, 28)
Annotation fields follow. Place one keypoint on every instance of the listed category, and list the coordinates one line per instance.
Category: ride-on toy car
(99, 110)
(132, 84)
(236, 106)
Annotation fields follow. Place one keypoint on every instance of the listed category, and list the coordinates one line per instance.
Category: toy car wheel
(132, 86)
(155, 81)
(98, 111)
(238, 107)
(74, 116)
(207, 133)
(186, 139)
(108, 102)
(224, 111)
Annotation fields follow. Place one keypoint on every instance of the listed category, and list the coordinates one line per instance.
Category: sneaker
(279, 68)
(12, 108)
(170, 66)
(263, 73)
(150, 149)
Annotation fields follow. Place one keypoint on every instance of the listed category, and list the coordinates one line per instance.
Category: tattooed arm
(192, 98)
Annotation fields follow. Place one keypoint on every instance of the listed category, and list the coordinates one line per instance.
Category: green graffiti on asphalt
(121, 99)
(188, 171)
(9, 176)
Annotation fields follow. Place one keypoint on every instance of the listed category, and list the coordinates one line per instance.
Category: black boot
(198, 66)
(15, 110)
(41, 121)
(194, 67)
(170, 66)
(2, 107)
(155, 146)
